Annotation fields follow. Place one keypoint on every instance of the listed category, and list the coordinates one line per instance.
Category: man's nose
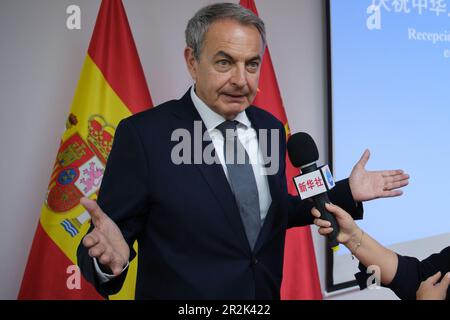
(239, 78)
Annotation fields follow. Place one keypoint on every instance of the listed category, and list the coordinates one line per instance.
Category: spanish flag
(112, 87)
(300, 275)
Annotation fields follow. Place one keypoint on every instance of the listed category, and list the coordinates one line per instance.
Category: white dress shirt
(247, 136)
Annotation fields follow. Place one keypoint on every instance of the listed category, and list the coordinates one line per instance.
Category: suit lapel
(217, 181)
(213, 174)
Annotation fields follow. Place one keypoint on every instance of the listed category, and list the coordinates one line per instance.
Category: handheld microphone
(314, 182)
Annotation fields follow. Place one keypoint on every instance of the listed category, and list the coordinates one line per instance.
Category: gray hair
(199, 25)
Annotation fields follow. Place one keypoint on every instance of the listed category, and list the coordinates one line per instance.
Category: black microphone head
(302, 149)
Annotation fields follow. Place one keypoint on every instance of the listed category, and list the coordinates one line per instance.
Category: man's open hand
(105, 242)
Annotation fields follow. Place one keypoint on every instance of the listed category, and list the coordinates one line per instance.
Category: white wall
(40, 63)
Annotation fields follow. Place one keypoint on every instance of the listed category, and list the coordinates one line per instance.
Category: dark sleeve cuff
(341, 195)
(407, 279)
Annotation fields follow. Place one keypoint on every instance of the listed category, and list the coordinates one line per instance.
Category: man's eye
(253, 65)
(223, 63)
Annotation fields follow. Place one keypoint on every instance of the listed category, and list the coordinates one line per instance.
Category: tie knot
(228, 126)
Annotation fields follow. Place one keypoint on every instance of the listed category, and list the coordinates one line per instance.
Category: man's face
(227, 74)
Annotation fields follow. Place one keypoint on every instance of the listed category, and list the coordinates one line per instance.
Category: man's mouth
(234, 96)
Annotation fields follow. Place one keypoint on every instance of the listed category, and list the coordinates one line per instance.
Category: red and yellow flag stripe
(112, 87)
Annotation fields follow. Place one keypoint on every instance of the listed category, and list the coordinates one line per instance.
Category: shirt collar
(211, 118)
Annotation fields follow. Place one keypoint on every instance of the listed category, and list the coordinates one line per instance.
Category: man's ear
(191, 62)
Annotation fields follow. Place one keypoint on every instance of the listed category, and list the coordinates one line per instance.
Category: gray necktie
(242, 180)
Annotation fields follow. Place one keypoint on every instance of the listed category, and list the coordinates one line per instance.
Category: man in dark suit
(207, 229)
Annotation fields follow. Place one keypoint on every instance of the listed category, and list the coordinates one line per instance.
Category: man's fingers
(116, 270)
(396, 178)
(395, 181)
(391, 194)
(93, 238)
(97, 250)
(364, 158)
(93, 209)
(90, 240)
(396, 185)
(117, 264)
(105, 258)
(391, 173)
(113, 260)
(400, 177)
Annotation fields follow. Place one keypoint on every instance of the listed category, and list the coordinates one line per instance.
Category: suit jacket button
(254, 261)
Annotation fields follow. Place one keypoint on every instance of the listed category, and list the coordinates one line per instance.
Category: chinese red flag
(300, 275)
(112, 86)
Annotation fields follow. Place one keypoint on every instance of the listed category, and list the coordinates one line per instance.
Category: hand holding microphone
(314, 182)
(349, 230)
